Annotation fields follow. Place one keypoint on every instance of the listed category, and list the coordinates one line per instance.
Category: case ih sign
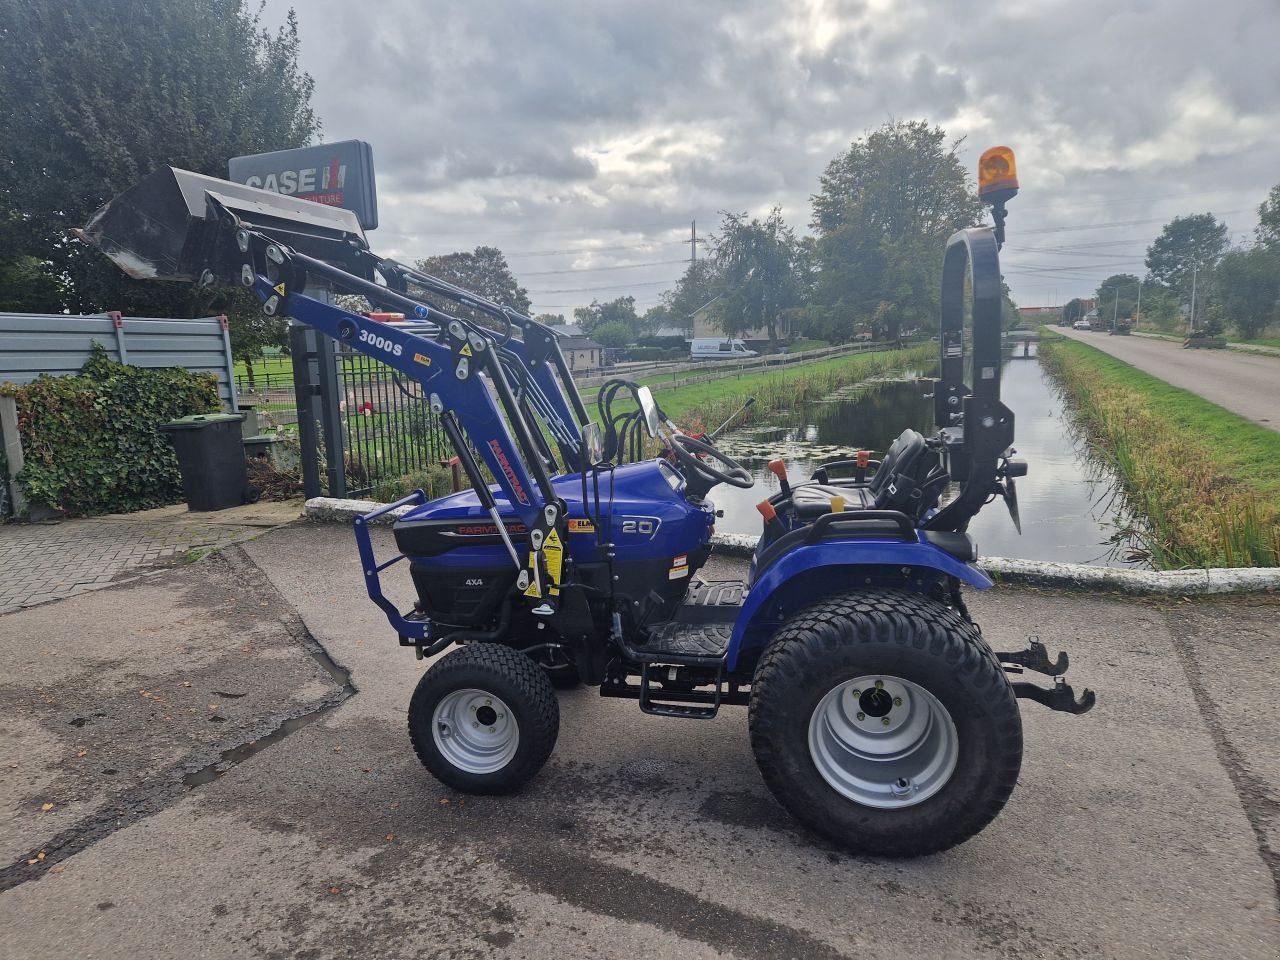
(338, 174)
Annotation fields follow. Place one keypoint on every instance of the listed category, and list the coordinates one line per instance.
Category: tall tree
(1268, 232)
(483, 271)
(1187, 249)
(1248, 289)
(698, 286)
(1117, 297)
(1073, 311)
(762, 270)
(94, 94)
(621, 311)
(883, 211)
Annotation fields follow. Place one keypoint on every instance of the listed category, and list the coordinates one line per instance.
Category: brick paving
(49, 561)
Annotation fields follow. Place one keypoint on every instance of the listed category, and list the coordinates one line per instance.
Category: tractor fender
(808, 573)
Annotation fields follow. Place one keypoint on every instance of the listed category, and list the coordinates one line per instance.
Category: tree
(614, 333)
(1268, 232)
(1248, 284)
(483, 271)
(94, 94)
(1073, 311)
(621, 310)
(699, 285)
(762, 271)
(1117, 297)
(882, 214)
(1187, 249)
(550, 319)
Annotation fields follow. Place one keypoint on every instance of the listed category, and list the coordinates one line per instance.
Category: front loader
(878, 713)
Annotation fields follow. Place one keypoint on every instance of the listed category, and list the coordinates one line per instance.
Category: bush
(90, 442)
(636, 354)
(434, 482)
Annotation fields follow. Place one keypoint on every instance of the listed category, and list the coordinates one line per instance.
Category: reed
(1203, 483)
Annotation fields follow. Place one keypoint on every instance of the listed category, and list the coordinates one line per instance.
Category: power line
(621, 266)
(613, 286)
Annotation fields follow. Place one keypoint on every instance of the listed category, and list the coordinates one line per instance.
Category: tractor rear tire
(883, 721)
(484, 719)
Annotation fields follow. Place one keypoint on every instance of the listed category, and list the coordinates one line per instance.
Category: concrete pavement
(54, 559)
(1148, 828)
(1244, 383)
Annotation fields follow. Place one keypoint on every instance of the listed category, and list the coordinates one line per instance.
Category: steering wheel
(687, 448)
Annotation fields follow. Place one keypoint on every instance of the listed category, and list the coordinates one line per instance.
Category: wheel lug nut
(879, 683)
(857, 693)
(475, 723)
(885, 721)
(862, 716)
(897, 701)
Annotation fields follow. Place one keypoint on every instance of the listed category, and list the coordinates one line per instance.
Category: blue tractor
(878, 713)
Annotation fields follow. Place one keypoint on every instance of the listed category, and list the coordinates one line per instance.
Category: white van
(710, 348)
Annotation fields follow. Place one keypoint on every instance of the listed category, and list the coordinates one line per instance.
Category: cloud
(607, 126)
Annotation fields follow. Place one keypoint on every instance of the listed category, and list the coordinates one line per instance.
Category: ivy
(90, 442)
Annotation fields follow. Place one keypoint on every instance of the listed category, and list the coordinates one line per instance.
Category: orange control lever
(864, 458)
(771, 522)
(778, 468)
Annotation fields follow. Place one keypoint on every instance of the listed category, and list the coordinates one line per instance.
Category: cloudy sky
(582, 136)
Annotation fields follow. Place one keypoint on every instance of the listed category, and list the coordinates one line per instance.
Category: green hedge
(90, 442)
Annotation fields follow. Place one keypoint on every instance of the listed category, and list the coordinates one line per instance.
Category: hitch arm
(1059, 697)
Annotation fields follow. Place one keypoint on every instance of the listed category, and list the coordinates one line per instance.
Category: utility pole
(1115, 310)
(1137, 312)
(693, 243)
(1194, 267)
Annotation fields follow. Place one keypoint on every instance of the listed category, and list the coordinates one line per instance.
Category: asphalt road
(1245, 383)
(1148, 828)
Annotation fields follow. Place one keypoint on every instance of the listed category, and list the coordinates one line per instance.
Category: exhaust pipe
(165, 227)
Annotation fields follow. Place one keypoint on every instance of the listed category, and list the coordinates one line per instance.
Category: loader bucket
(160, 228)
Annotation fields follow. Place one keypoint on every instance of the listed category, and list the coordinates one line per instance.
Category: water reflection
(1069, 510)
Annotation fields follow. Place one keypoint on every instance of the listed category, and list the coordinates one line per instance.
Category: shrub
(90, 442)
(434, 481)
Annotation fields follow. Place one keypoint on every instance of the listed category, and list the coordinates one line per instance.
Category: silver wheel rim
(883, 742)
(475, 731)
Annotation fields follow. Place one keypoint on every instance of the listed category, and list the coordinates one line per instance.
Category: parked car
(712, 348)
(1082, 325)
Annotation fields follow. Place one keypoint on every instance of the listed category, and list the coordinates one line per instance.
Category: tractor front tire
(484, 719)
(882, 721)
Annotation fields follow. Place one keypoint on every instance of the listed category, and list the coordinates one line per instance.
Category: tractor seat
(910, 479)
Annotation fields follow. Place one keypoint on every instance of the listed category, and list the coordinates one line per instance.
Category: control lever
(778, 468)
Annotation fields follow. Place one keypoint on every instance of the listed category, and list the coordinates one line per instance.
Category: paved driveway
(1145, 829)
(1245, 383)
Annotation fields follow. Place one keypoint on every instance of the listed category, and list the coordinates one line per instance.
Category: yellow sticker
(419, 358)
(279, 288)
(581, 526)
(675, 573)
(466, 350)
(553, 550)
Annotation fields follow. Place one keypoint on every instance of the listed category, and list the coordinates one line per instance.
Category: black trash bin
(211, 457)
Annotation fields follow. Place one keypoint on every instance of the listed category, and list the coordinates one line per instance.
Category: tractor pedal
(674, 703)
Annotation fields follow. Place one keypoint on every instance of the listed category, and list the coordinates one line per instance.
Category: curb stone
(1066, 576)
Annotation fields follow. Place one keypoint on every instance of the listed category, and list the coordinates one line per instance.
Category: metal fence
(358, 421)
(32, 344)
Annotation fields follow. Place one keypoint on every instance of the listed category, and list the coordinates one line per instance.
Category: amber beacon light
(997, 175)
(998, 184)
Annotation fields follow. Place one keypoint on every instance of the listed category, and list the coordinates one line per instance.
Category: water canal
(1069, 510)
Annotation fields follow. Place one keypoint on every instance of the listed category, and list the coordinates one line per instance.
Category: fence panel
(32, 344)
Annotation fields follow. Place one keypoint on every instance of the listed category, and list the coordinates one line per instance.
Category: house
(707, 324)
(581, 353)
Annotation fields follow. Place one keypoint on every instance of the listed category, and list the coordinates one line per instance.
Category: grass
(275, 367)
(1202, 479)
(708, 404)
